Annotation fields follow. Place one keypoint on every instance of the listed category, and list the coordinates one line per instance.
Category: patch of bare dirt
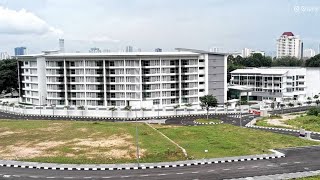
(282, 122)
(112, 141)
(5, 133)
(27, 150)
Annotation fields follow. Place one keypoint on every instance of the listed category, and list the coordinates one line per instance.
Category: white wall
(313, 81)
(32, 110)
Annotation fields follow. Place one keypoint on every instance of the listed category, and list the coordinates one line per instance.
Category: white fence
(119, 113)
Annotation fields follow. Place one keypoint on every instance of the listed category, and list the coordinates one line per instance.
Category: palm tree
(82, 108)
(176, 107)
(188, 105)
(143, 110)
(112, 109)
(127, 108)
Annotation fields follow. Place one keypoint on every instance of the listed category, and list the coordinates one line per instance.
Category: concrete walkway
(131, 166)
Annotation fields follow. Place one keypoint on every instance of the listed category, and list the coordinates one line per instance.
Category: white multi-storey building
(289, 45)
(278, 82)
(139, 79)
(309, 53)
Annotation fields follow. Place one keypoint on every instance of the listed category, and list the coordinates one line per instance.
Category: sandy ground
(113, 147)
(281, 122)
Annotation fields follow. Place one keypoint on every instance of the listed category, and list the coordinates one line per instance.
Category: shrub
(313, 111)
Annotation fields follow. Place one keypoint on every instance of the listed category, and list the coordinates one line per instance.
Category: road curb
(279, 129)
(100, 167)
(210, 123)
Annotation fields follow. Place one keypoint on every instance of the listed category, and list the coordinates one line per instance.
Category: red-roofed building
(289, 45)
(287, 34)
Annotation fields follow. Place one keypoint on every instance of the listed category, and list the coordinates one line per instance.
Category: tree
(82, 109)
(309, 98)
(315, 97)
(313, 62)
(309, 102)
(207, 102)
(288, 61)
(128, 109)
(189, 104)
(176, 107)
(112, 109)
(9, 75)
(317, 102)
(291, 105)
(143, 110)
(299, 104)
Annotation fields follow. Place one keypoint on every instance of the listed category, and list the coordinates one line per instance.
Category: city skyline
(116, 24)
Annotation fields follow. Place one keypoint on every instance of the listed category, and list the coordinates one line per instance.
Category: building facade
(119, 79)
(61, 45)
(4, 55)
(289, 45)
(309, 53)
(269, 83)
(18, 51)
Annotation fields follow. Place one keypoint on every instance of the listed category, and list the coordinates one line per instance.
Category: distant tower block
(61, 45)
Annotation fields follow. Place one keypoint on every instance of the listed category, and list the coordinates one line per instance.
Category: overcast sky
(148, 24)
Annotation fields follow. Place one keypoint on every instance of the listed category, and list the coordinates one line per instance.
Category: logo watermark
(306, 9)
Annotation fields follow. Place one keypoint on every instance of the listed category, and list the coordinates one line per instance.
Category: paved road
(296, 160)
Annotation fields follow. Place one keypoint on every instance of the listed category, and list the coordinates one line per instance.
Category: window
(201, 82)
(201, 60)
(201, 67)
(201, 90)
(201, 75)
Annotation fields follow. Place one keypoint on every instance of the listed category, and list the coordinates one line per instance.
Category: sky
(149, 24)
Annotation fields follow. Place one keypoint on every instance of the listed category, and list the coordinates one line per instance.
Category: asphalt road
(296, 160)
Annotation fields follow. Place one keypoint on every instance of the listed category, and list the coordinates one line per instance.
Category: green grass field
(82, 142)
(263, 122)
(208, 120)
(310, 123)
(105, 142)
(310, 178)
(227, 140)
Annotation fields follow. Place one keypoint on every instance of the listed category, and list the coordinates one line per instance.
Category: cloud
(24, 22)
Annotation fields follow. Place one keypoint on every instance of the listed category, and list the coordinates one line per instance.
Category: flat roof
(179, 52)
(260, 71)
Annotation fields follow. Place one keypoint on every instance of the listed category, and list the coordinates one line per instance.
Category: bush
(313, 111)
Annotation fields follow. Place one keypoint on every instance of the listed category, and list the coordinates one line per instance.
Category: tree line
(8, 75)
